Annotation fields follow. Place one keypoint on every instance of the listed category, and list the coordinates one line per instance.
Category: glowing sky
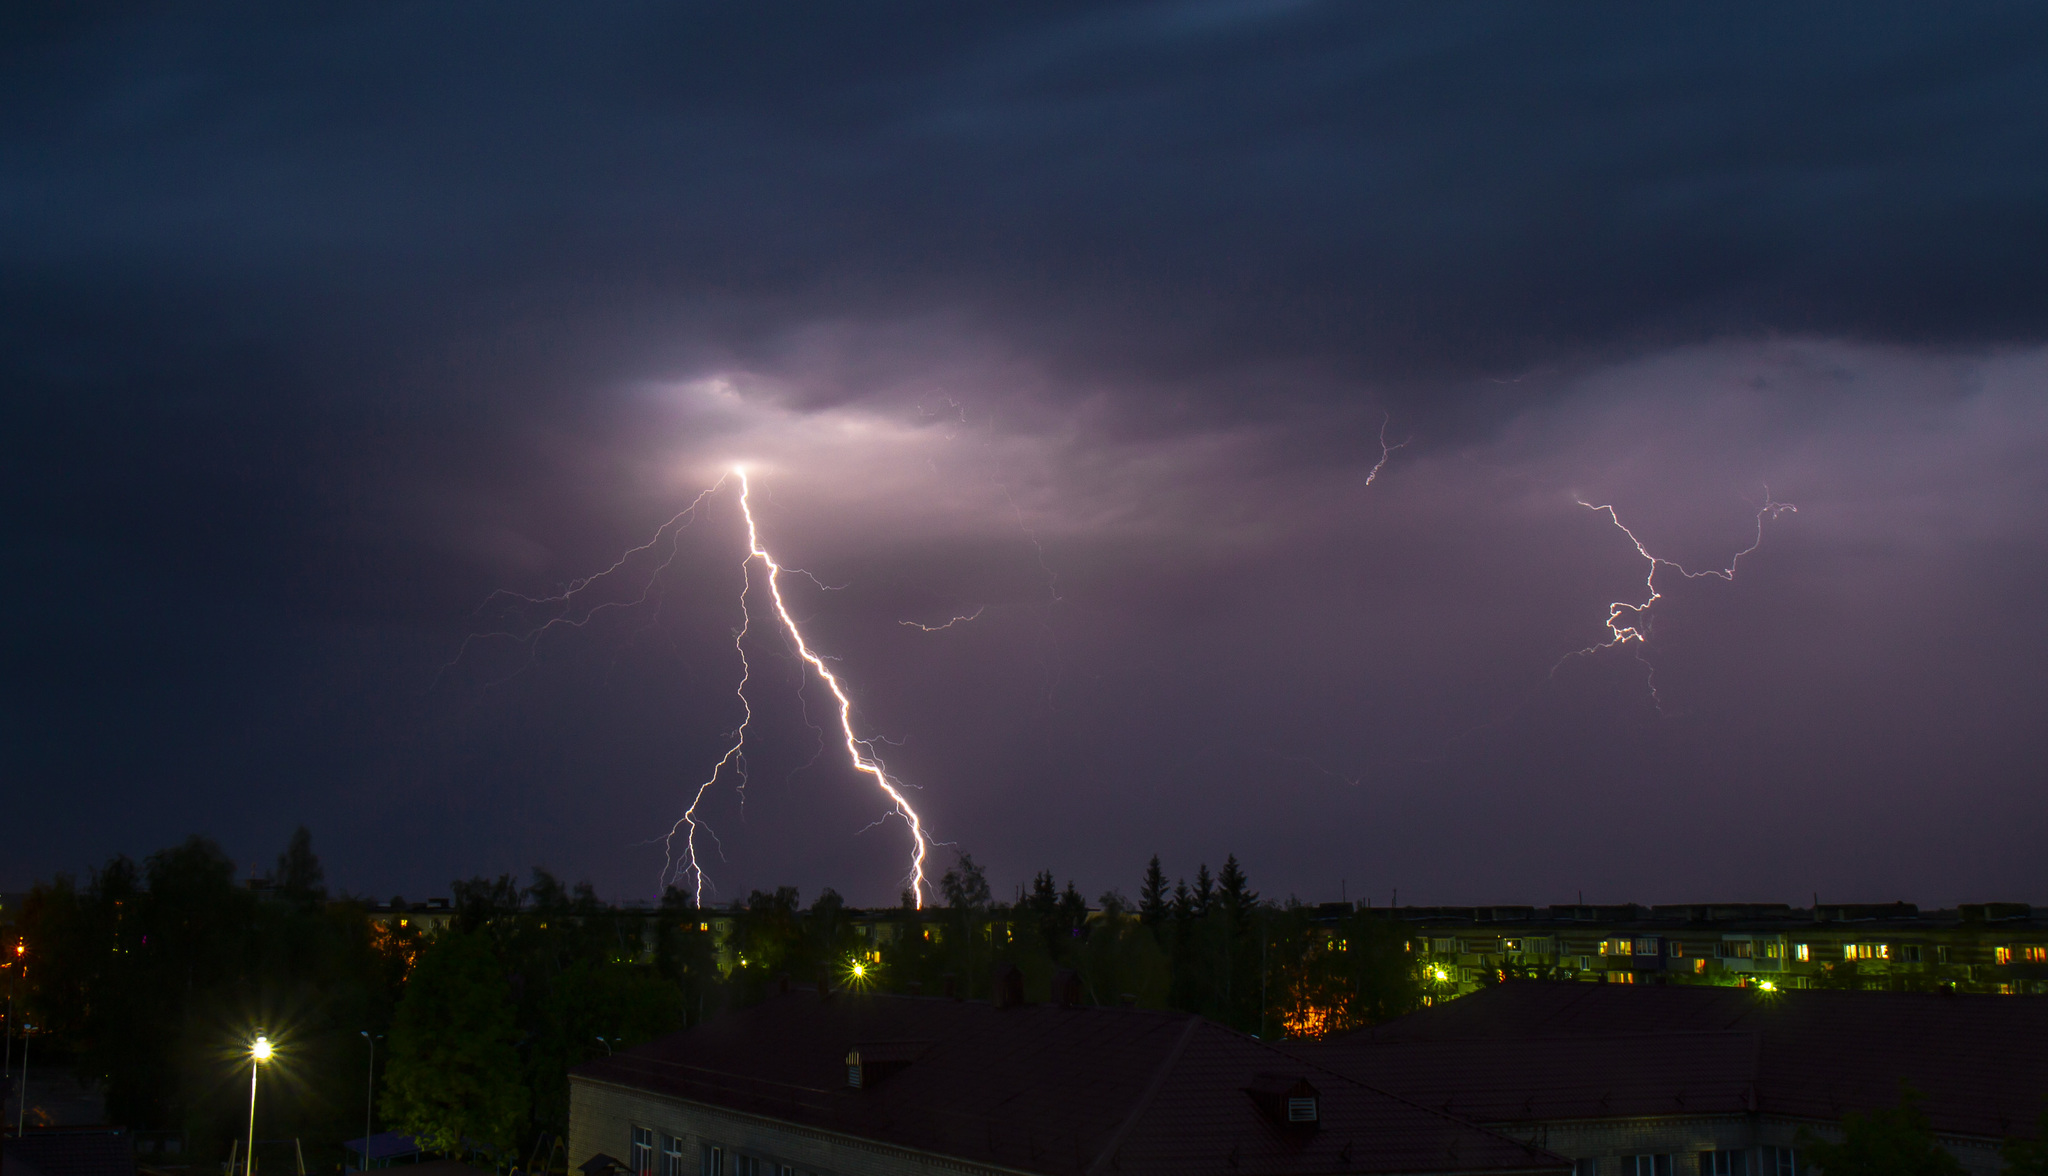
(322, 326)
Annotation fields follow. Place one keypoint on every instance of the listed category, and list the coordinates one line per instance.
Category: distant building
(848, 1084)
(1678, 1081)
(1985, 947)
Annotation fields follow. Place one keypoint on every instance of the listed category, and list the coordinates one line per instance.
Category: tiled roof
(1550, 1051)
(1043, 1088)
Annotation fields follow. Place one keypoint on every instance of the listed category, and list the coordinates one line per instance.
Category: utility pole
(21, 1099)
(369, 1097)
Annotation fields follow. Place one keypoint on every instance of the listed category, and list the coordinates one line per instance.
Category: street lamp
(259, 1053)
(607, 1046)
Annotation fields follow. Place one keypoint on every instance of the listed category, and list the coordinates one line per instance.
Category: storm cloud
(1096, 322)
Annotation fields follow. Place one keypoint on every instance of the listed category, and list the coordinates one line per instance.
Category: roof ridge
(1144, 1103)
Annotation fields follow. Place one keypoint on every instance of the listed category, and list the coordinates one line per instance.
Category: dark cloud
(316, 325)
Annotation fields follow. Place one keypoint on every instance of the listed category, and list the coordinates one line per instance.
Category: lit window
(1511, 945)
(2001, 955)
(1774, 951)
(1866, 951)
(1802, 953)
(2034, 955)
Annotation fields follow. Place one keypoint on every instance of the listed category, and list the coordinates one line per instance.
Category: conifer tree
(1152, 898)
(1205, 891)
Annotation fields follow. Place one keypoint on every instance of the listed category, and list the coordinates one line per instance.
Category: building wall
(602, 1118)
(1684, 1137)
(1460, 949)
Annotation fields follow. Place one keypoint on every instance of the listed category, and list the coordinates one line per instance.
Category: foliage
(1891, 1141)
(2028, 1157)
(453, 1077)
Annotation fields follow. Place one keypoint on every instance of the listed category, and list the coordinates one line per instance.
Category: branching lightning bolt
(1625, 619)
(1386, 450)
(958, 620)
(859, 751)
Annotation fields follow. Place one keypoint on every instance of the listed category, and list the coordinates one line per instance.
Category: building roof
(69, 1153)
(1550, 1051)
(1051, 1089)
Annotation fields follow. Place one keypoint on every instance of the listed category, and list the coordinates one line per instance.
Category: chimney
(952, 986)
(1066, 988)
(1008, 990)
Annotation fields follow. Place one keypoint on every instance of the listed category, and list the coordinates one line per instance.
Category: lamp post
(607, 1046)
(369, 1095)
(259, 1053)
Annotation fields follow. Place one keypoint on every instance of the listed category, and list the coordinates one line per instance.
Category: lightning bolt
(860, 752)
(1625, 619)
(958, 620)
(1386, 450)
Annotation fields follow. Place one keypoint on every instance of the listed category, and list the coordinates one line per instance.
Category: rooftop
(1552, 1051)
(1051, 1089)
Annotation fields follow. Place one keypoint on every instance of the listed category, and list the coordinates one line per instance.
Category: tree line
(150, 980)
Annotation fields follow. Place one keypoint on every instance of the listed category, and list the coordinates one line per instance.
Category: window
(1866, 951)
(1776, 1161)
(643, 1151)
(1724, 1163)
(1646, 1165)
(746, 1166)
(1585, 1168)
(1617, 947)
(2001, 955)
(711, 1161)
(671, 1156)
(1910, 953)
(1802, 953)
(1444, 946)
(1774, 951)
(2034, 955)
(1941, 955)
(1646, 946)
(1511, 945)
(1738, 949)
(1678, 949)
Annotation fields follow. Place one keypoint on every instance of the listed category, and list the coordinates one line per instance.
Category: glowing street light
(259, 1053)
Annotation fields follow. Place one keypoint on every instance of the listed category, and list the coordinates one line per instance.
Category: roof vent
(1288, 1100)
(1009, 986)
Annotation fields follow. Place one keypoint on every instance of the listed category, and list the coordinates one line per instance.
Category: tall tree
(298, 871)
(1233, 891)
(1205, 891)
(1152, 896)
(454, 1074)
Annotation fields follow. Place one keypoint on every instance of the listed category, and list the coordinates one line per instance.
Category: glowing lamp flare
(261, 1050)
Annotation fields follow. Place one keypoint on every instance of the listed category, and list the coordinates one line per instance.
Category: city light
(261, 1049)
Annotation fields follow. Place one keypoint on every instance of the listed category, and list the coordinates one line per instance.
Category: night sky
(321, 324)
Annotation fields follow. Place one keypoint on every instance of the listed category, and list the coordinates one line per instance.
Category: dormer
(1288, 1100)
